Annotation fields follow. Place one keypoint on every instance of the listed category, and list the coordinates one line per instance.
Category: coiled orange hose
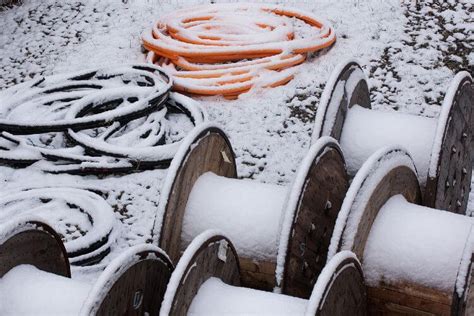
(227, 49)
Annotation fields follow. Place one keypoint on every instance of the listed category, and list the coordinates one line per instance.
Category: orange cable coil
(227, 49)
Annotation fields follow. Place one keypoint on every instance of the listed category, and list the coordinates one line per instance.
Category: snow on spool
(415, 259)
(95, 121)
(207, 282)
(84, 219)
(281, 233)
(35, 276)
(440, 147)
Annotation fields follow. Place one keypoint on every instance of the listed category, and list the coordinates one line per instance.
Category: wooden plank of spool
(466, 303)
(334, 111)
(320, 200)
(449, 188)
(211, 151)
(400, 180)
(140, 289)
(216, 257)
(344, 292)
(35, 243)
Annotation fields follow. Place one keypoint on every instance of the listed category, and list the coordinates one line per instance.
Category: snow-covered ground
(410, 50)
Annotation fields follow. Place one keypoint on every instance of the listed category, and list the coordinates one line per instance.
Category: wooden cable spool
(440, 147)
(296, 223)
(207, 282)
(33, 258)
(416, 260)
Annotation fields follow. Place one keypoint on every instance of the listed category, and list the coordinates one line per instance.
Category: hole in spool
(137, 299)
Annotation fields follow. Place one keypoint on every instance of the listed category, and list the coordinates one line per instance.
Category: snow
(293, 199)
(317, 297)
(416, 244)
(217, 298)
(178, 160)
(333, 92)
(362, 185)
(249, 213)
(183, 263)
(366, 130)
(443, 120)
(83, 218)
(120, 265)
(404, 50)
(26, 290)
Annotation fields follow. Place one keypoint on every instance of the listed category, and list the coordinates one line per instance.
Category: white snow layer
(362, 186)
(217, 298)
(265, 127)
(183, 263)
(416, 244)
(249, 213)
(26, 290)
(365, 131)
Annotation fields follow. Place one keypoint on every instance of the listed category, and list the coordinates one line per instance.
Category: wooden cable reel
(440, 147)
(210, 265)
(299, 226)
(32, 258)
(416, 260)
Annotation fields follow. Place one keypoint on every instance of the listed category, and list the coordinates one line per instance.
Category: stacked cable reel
(281, 233)
(207, 281)
(441, 148)
(226, 49)
(97, 121)
(416, 260)
(33, 258)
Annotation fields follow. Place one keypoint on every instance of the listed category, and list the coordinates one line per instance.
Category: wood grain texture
(257, 274)
(449, 188)
(140, 289)
(313, 224)
(345, 293)
(464, 304)
(408, 298)
(400, 180)
(211, 151)
(206, 263)
(41, 247)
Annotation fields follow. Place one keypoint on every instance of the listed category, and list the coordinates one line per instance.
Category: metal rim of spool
(44, 248)
(207, 149)
(342, 275)
(464, 304)
(210, 254)
(333, 108)
(133, 284)
(315, 198)
(388, 172)
(449, 175)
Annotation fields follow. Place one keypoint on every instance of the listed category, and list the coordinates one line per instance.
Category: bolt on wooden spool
(294, 223)
(33, 258)
(416, 260)
(207, 281)
(440, 147)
